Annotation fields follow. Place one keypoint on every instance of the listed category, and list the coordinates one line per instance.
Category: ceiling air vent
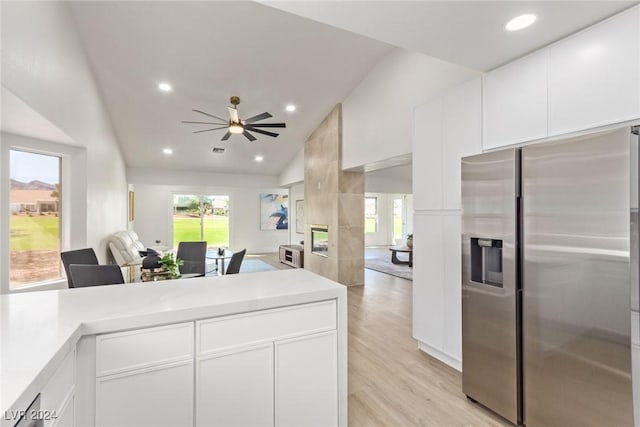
(218, 150)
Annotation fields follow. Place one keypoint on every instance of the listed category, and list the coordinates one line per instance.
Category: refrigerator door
(489, 317)
(576, 281)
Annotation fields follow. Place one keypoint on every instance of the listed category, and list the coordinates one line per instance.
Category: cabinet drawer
(126, 351)
(230, 331)
(59, 387)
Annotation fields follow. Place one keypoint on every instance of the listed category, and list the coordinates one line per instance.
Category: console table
(292, 255)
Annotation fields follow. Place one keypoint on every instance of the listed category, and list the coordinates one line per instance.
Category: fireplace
(320, 240)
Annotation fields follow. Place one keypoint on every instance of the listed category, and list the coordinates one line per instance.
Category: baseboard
(441, 356)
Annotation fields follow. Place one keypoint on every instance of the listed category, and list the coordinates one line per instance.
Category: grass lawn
(36, 233)
(216, 230)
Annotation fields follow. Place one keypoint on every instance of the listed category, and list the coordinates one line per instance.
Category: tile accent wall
(334, 198)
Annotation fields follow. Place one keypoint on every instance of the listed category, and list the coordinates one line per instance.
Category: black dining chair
(95, 275)
(79, 256)
(194, 256)
(236, 262)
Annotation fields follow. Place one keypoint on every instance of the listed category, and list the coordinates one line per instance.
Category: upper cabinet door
(462, 123)
(427, 155)
(515, 102)
(594, 76)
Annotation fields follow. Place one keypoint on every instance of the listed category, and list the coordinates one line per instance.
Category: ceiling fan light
(236, 128)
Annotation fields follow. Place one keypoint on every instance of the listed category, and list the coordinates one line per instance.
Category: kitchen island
(267, 348)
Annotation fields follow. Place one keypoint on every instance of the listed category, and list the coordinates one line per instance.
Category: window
(398, 218)
(197, 217)
(370, 214)
(35, 218)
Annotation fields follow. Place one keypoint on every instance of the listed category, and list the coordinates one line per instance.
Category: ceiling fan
(237, 126)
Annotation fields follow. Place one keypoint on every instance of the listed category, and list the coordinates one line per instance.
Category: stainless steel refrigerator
(547, 282)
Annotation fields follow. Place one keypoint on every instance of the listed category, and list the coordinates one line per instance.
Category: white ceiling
(401, 173)
(209, 51)
(468, 33)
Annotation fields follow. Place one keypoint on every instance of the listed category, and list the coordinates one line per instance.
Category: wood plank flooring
(391, 382)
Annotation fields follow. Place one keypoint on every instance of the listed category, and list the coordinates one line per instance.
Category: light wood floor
(391, 382)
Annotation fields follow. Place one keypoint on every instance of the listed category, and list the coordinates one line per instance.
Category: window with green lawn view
(370, 214)
(34, 222)
(197, 217)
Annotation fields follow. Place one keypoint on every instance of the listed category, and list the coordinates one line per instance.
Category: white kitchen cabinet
(306, 381)
(58, 394)
(514, 102)
(452, 284)
(428, 293)
(235, 388)
(594, 76)
(66, 416)
(156, 396)
(462, 130)
(427, 155)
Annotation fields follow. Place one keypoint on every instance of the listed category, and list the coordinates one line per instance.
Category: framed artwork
(300, 216)
(274, 211)
(131, 206)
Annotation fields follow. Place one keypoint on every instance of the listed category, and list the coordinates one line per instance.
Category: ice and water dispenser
(486, 261)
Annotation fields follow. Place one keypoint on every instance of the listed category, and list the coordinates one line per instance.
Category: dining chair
(79, 256)
(194, 256)
(236, 262)
(95, 275)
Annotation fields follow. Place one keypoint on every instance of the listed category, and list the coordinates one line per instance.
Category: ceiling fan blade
(258, 117)
(268, 125)
(249, 136)
(207, 130)
(264, 132)
(205, 123)
(226, 136)
(210, 115)
(233, 113)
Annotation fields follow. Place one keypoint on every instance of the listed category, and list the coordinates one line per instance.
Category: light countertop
(39, 328)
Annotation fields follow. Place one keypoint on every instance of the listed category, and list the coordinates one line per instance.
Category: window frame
(73, 202)
(376, 216)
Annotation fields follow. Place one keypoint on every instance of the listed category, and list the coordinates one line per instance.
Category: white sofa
(124, 246)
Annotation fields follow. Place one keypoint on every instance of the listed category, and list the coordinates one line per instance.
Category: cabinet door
(65, 418)
(158, 396)
(594, 76)
(307, 381)
(235, 388)
(515, 102)
(462, 136)
(427, 155)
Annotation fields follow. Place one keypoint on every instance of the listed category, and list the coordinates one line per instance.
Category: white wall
(44, 64)
(379, 184)
(296, 192)
(378, 114)
(293, 173)
(153, 205)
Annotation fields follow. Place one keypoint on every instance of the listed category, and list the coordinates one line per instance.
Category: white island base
(263, 349)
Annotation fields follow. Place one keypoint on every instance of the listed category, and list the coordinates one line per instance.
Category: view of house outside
(35, 218)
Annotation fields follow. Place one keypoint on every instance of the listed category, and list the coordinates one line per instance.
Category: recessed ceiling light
(521, 22)
(167, 151)
(258, 158)
(290, 108)
(165, 87)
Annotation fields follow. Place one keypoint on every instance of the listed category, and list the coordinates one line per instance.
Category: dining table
(133, 274)
(219, 257)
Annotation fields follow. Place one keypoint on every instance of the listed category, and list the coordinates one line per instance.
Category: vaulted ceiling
(311, 54)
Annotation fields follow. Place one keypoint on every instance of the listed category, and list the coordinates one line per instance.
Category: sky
(26, 167)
